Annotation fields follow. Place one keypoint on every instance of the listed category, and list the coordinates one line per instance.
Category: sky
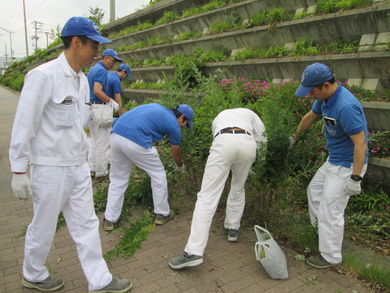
(50, 13)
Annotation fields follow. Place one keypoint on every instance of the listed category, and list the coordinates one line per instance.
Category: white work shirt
(48, 127)
(241, 118)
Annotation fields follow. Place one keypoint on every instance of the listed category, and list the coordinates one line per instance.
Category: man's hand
(21, 186)
(291, 142)
(115, 105)
(353, 187)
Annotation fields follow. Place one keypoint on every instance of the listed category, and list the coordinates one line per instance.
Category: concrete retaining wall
(151, 14)
(349, 25)
(358, 65)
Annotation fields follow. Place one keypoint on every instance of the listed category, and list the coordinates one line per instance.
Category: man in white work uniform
(48, 134)
(238, 133)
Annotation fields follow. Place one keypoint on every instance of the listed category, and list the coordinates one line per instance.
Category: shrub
(379, 143)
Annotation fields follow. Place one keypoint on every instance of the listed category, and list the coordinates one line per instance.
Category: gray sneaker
(318, 262)
(107, 225)
(116, 286)
(161, 219)
(185, 260)
(50, 284)
(232, 235)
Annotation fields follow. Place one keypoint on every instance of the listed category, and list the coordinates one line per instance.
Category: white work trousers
(327, 202)
(98, 155)
(125, 153)
(66, 189)
(235, 152)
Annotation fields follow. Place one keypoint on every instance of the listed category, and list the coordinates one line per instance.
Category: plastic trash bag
(270, 255)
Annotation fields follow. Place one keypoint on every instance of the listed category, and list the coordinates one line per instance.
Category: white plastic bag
(270, 255)
(103, 114)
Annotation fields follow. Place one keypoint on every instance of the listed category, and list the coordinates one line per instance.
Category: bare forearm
(305, 123)
(102, 96)
(177, 157)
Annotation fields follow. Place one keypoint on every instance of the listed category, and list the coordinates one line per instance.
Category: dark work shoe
(161, 220)
(232, 235)
(116, 286)
(185, 260)
(107, 225)
(50, 284)
(318, 262)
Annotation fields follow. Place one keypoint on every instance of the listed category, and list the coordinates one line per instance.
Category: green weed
(168, 17)
(374, 272)
(132, 237)
(305, 48)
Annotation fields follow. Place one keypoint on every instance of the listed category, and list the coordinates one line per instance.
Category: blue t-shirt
(148, 123)
(114, 85)
(343, 116)
(98, 73)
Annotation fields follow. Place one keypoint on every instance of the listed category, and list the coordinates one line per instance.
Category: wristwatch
(356, 178)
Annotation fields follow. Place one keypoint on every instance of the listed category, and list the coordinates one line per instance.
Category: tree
(96, 14)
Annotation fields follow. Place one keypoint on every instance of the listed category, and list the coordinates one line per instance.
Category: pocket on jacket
(64, 111)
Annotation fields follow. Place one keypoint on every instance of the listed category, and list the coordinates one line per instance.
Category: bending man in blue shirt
(340, 176)
(131, 144)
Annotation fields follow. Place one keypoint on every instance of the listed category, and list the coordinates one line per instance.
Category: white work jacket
(241, 118)
(48, 127)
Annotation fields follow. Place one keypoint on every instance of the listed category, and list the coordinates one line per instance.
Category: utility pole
(10, 41)
(35, 36)
(6, 54)
(47, 39)
(112, 10)
(25, 27)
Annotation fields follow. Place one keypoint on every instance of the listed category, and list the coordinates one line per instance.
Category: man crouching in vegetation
(237, 134)
(340, 176)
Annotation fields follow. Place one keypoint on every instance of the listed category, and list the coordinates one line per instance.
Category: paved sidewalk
(228, 267)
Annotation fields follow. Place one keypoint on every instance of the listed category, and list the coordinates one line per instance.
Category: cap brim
(99, 38)
(302, 91)
(189, 123)
(117, 59)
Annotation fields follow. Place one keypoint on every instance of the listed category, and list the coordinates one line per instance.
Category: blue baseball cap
(126, 68)
(81, 26)
(111, 52)
(313, 75)
(187, 111)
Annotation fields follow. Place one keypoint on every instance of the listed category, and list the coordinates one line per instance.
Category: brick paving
(229, 267)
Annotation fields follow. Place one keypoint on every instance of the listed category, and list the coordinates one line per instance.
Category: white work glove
(21, 186)
(181, 169)
(251, 172)
(291, 142)
(114, 105)
(353, 187)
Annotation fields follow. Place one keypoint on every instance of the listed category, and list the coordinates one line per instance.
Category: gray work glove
(353, 187)
(291, 142)
(181, 169)
(21, 186)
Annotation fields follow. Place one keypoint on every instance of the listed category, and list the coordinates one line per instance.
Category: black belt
(232, 131)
